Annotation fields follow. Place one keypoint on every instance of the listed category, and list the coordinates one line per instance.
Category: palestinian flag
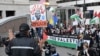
(75, 17)
(94, 20)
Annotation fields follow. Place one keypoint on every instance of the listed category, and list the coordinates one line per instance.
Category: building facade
(18, 7)
(90, 4)
(15, 7)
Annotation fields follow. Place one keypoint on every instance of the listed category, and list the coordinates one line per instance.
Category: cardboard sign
(87, 22)
(75, 23)
(38, 15)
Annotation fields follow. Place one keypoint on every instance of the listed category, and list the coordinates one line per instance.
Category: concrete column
(67, 19)
(3, 13)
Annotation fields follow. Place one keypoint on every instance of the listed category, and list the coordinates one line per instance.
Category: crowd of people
(90, 32)
(30, 42)
(27, 42)
(79, 29)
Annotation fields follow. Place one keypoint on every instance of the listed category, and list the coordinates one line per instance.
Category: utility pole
(84, 8)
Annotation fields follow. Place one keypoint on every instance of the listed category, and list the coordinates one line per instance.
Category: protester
(97, 38)
(53, 51)
(77, 30)
(32, 32)
(47, 48)
(79, 44)
(23, 45)
(87, 51)
(84, 51)
(0, 41)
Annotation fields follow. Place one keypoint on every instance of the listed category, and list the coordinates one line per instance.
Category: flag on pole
(51, 9)
(94, 20)
(45, 36)
(55, 19)
(75, 17)
(51, 21)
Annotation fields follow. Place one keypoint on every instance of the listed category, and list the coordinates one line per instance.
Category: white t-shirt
(82, 30)
(93, 30)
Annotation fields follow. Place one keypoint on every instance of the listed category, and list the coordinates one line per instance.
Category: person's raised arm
(10, 34)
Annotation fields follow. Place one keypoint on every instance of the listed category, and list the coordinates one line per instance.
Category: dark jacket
(23, 46)
(91, 52)
(32, 32)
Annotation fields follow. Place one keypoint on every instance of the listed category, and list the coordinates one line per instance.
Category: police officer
(23, 45)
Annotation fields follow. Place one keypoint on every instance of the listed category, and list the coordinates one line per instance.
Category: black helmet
(24, 27)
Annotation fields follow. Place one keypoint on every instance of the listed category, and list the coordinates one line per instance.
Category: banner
(68, 41)
(38, 15)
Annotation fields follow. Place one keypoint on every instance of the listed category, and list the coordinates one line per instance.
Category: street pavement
(62, 51)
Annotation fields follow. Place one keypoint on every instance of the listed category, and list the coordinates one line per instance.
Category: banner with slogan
(38, 15)
(68, 41)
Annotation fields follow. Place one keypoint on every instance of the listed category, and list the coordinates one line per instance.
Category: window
(63, 15)
(10, 13)
(71, 12)
(0, 14)
(89, 4)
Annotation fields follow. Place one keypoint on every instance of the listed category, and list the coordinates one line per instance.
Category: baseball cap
(24, 27)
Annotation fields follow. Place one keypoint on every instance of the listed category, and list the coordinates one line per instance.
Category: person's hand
(77, 53)
(41, 44)
(11, 34)
(87, 52)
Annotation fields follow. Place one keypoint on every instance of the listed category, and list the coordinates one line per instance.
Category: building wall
(6, 1)
(95, 8)
(78, 2)
(21, 1)
(53, 2)
(12, 23)
(21, 7)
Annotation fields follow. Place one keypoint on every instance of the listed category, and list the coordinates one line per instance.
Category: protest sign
(38, 15)
(68, 41)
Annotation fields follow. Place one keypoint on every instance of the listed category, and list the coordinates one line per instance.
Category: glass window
(71, 12)
(62, 15)
(0, 14)
(10, 13)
